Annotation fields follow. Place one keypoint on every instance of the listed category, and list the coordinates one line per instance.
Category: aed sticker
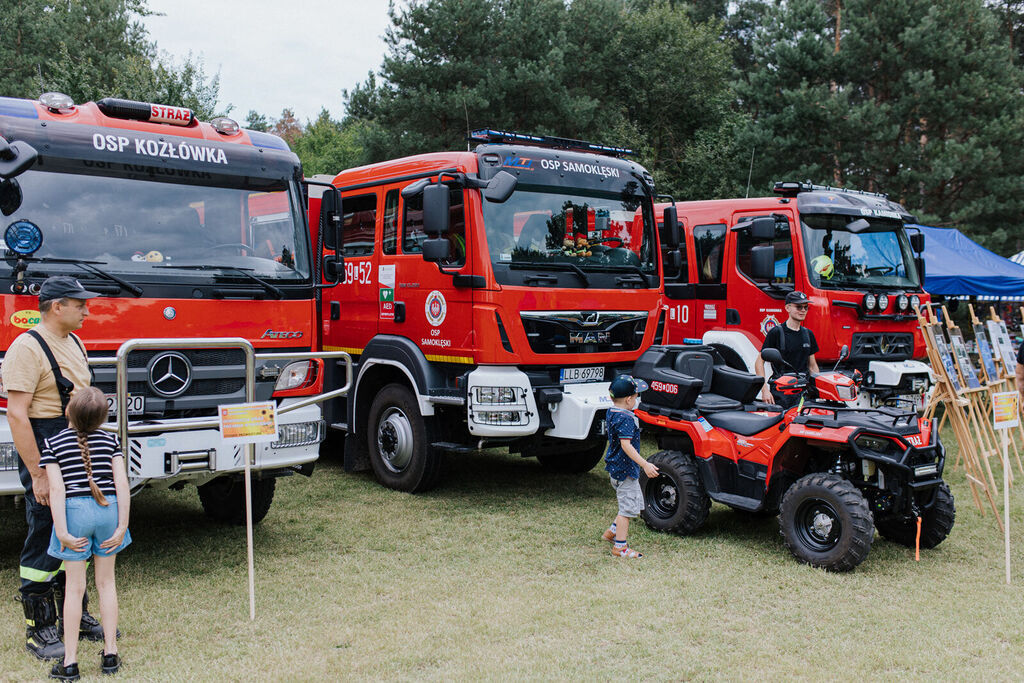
(25, 319)
(387, 303)
(436, 308)
(705, 425)
(710, 311)
(158, 442)
(768, 323)
(386, 276)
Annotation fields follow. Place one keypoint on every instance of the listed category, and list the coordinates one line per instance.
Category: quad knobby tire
(675, 500)
(936, 523)
(826, 523)
(398, 442)
(577, 462)
(223, 499)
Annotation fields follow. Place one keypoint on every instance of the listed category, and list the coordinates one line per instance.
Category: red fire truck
(194, 233)
(849, 251)
(489, 298)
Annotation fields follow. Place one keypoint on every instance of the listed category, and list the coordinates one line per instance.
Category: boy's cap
(624, 386)
(62, 286)
(797, 297)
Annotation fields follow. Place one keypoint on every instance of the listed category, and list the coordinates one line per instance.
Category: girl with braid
(89, 498)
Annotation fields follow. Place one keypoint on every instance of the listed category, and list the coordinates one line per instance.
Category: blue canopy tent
(954, 265)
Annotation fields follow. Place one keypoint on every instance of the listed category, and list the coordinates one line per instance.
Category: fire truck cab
(849, 251)
(196, 237)
(489, 298)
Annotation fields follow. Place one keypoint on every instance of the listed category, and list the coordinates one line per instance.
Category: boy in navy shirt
(624, 460)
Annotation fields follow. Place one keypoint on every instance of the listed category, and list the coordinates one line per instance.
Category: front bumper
(163, 458)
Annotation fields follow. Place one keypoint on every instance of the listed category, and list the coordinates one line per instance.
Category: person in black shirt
(795, 342)
(1020, 370)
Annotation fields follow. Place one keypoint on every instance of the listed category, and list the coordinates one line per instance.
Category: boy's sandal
(626, 552)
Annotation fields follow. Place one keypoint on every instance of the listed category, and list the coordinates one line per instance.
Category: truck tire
(936, 523)
(578, 462)
(675, 500)
(826, 522)
(399, 442)
(223, 499)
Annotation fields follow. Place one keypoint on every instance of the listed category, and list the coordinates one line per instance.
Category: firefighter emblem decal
(436, 308)
(768, 323)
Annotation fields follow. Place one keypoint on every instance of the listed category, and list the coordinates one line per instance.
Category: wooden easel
(995, 382)
(958, 411)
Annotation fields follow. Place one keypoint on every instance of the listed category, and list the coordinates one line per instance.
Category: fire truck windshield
(878, 256)
(137, 226)
(594, 232)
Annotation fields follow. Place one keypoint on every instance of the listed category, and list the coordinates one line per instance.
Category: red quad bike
(833, 474)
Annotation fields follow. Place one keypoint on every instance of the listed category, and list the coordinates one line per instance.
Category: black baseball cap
(797, 297)
(624, 386)
(62, 286)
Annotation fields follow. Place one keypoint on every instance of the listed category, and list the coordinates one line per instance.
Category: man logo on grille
(170, 374)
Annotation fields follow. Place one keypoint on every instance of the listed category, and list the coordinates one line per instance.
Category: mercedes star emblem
(170, 374)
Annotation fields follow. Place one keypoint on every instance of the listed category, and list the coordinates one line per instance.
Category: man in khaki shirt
(35, 411)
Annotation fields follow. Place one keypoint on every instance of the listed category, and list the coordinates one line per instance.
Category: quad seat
(741, 422)
(683, 378)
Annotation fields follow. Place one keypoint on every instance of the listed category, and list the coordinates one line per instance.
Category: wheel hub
(394, 439)
(818, 525)
(822, 525)
(665, 497)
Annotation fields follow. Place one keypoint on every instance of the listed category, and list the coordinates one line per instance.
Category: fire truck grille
(882, 346)
(559, 332)
(212, 377)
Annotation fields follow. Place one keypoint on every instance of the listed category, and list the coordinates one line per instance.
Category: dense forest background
(920, 99)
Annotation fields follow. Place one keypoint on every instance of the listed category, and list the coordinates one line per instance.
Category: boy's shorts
(88, 519)
(631, 498)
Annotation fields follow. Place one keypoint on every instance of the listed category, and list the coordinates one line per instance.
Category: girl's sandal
(626, 552)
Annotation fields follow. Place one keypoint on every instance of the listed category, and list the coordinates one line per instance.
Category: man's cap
(797, 297)
(62, 286)
(624, 386)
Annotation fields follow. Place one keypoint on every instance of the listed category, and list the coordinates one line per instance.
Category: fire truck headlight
(903, 302)
(495, 395)
(299, 434)
(8, 457)
(915, 301)
(883, 302)
(293, 376)
(870, 301)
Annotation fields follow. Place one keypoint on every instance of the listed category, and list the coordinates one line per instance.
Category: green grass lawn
(501, 574)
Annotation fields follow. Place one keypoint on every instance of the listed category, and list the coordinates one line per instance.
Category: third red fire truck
(849, 251)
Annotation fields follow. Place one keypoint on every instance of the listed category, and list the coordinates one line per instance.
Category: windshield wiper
(87, 265)
(244, 272)
(624, 266)
(550, 265)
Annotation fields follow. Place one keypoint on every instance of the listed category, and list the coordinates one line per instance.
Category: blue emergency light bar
(497, 136)
(792, 189)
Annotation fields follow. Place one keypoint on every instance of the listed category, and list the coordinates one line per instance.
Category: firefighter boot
(41, 637)
(89, 629)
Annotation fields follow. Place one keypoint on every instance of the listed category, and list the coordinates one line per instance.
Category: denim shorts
(631, 498)
(88, 519)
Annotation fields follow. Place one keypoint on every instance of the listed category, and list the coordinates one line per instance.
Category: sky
(271, 55)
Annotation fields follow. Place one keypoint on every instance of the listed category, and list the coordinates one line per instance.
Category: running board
(734, 501)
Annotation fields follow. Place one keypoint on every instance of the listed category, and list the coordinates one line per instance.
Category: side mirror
(435, 249)
(330, 218)
(763, 229)
(332, 269)
(670, 228)
(15, 158)
(677, 261)
(435, 210)
(844, 352)
(762, 261)
(917, 241)
(773, 356)
(500, 187)
(10, 196)
(919, 262)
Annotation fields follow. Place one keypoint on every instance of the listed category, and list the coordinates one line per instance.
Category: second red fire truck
(489, 298)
